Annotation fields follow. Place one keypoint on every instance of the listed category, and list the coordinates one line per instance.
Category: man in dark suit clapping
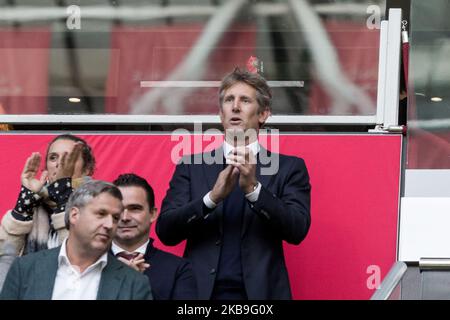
(234, 211)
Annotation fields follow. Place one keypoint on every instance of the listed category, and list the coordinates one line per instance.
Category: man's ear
(74, 215)
(153, 214)
(262, 117)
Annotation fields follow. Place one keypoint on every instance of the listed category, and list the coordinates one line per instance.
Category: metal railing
(434, 263)
(20, 14)
(390, 282)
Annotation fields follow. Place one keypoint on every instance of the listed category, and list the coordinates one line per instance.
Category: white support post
(382, 62)
(392, 84)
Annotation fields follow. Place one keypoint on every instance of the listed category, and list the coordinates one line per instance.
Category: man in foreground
(80, 269)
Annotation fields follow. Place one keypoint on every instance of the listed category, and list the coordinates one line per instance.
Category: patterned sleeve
(26, 202)
(59, 192)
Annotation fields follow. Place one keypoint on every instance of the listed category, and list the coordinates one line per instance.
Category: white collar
(64, 259)
(254, 147)
(115, 248)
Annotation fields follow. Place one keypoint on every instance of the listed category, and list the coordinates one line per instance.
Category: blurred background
(166, 56)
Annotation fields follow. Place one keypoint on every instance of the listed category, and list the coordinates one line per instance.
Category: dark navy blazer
(281, 213)
(171, 277)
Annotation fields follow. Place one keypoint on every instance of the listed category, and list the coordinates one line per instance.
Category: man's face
(56, 152)
(137, 217)
(95, 224)
(239, 111)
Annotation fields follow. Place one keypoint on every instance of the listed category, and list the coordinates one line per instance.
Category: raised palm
(29, 174)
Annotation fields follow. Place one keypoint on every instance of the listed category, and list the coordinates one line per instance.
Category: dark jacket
(171, 277)
(32, 277)
(280, 213)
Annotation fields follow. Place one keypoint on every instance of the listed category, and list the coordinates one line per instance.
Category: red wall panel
(355, 193)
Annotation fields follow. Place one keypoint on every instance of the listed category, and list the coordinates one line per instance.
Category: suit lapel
(211, 172)
(150, 250)
(110, 282)
(265, 181)
(45, 274)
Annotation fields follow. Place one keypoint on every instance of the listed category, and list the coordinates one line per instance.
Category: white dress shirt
(116, 249)
(71, 284)
(252, 196)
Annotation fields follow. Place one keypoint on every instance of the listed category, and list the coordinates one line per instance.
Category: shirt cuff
(254, 195)
(208, 202)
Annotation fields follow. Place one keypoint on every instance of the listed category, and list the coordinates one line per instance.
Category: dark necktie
(127, 256)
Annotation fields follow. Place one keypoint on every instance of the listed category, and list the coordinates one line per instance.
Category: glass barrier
(429, 86)
(168, 57)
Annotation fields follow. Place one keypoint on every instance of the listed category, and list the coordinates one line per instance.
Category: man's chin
(125, 239)
(101, 247)
(125, 235)
(235, 128)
